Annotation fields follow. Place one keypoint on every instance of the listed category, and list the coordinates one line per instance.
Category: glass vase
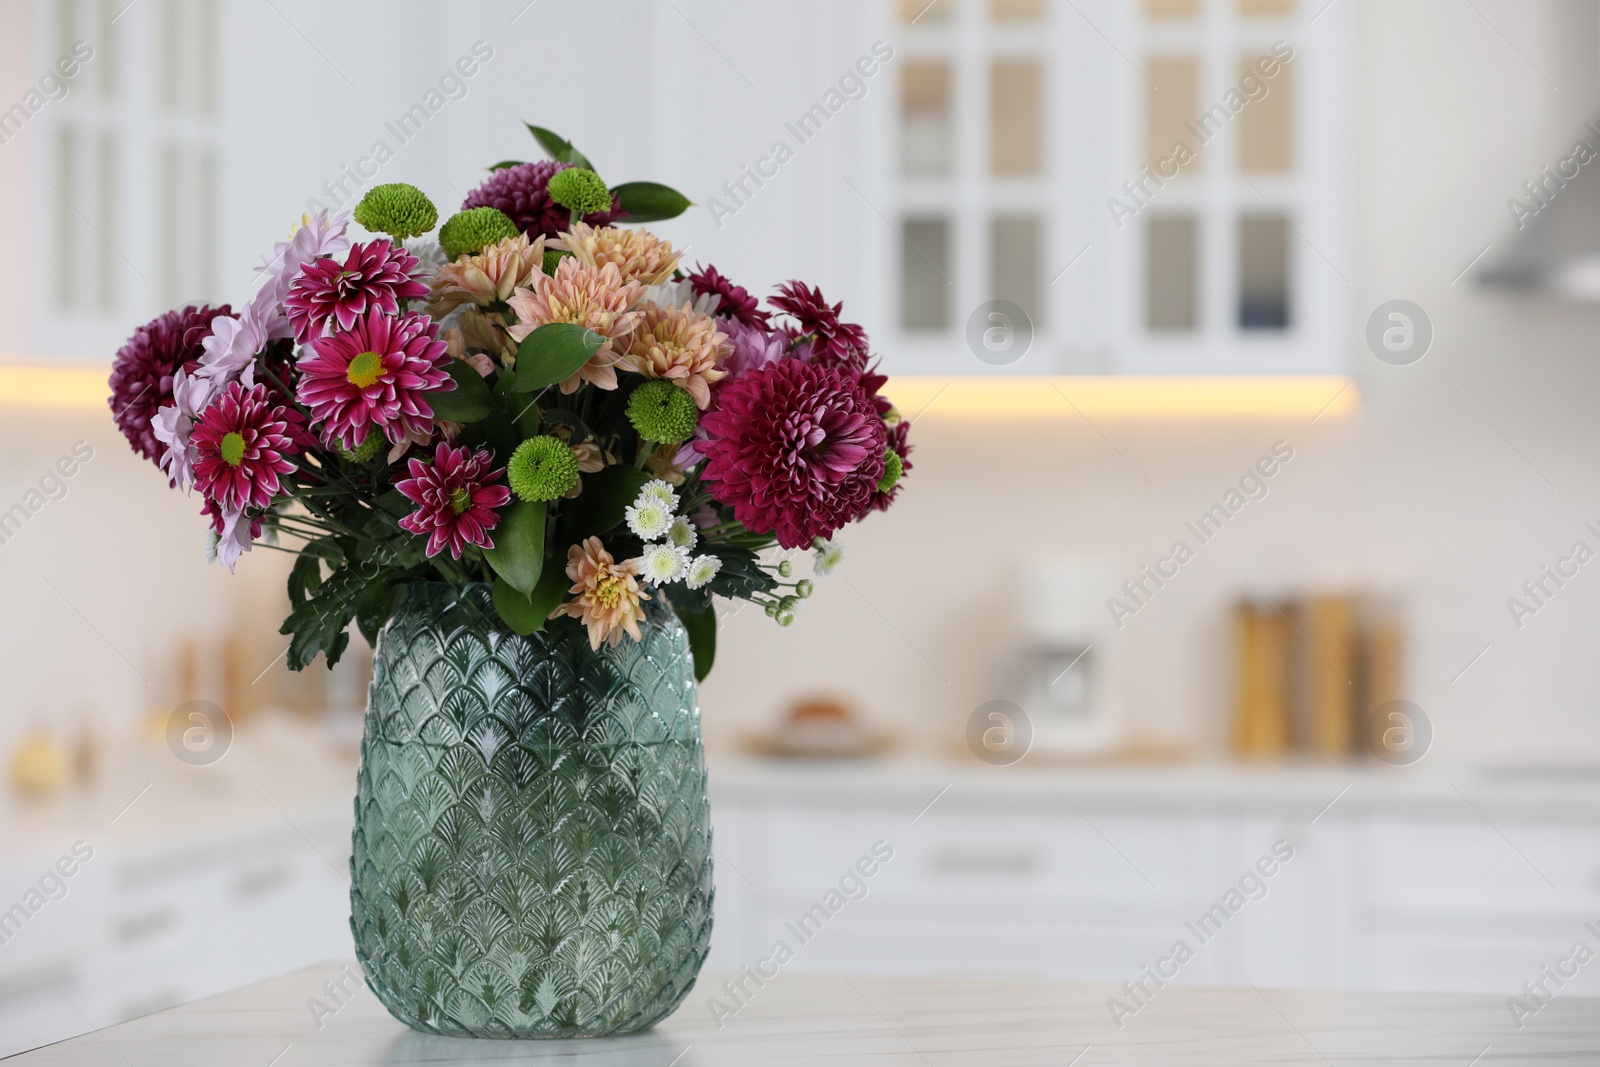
(532, 845)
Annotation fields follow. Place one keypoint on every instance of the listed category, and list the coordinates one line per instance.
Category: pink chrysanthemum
(833, 343)
(375, 275)
(522, 193)
(679, 345)
(733, 301)
(455, 502)
(375, 375)
(606, 594)
(241, 445)
(233, 530)
(595, 297)
(795, 449)
(141, 377)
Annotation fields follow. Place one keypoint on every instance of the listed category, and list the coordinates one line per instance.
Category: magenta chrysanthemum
(795, 449)
(377, 274)
(141, 377)
(241, 443)
(733, 301)
(377, 374)
(833, 343)
(455, 502)
(901, 447)
(522, 192)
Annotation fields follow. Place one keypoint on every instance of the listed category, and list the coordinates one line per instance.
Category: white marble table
(884, 1022)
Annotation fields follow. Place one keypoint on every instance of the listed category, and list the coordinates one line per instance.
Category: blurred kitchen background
(1074, 735)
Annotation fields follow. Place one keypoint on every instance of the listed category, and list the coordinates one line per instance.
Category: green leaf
(469, 401)
(741, 574)
(560, 149)
(702, 629)
(553, 353)
(505, 163)
(651, 201)
(305, 576)
(518, 552)
(603, 502)
(528, 615)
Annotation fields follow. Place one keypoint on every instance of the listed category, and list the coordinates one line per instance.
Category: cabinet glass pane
(1017, 9)
(1173, 101)
(925, 11)
(1016, 116)
(925, 118)
(924, 270)
(1016, 244)
(1263, 273)
(1172, 246)
(1266, 125)
(1265, 8)
(1171, 9)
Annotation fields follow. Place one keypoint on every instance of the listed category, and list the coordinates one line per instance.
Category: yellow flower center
(608, 590)
(232, 449)
(364, 370)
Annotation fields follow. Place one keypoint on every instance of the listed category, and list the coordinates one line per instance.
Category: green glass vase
(532, 845)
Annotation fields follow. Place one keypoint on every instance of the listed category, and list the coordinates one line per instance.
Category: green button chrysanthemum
(662, 412)
(552, 260)
(468, 232)
(542, 468)
(397, 209)
(893, 468)
(365, 451)
(579, 189)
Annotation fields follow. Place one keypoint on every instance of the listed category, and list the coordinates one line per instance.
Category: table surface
(881, 1021)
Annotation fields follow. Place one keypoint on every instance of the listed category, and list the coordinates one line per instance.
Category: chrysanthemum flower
(795, 449)
(468, 232)
(679, 345)
(241, 445)
(232, 531)
(375, 376)
(455, 501)
(376, 275)
(682, 534)
(659, 491)
(833, 343)
(663, 563)
(542, 468)
(733, 301)
(485, 330)
(522, 192)
(702, 571)
(317, 235)
(173, 426)
(648, 518)
(594, 297)
(142, 376)
(829, 554)
(900, 450)
(753, 348)
(488, 276)
(639, 255)
(607, 594)
(660, 411)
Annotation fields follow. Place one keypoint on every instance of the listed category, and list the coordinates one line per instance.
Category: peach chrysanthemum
(640, 255)
(595, 297)
(680, 345)
(483, 329)
(608, 596)
(487, 276)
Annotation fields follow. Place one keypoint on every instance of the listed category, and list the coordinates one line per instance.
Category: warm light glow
(1319, 397)
(38, 386)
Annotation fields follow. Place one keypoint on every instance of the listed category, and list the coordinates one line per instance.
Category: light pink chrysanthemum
(606, 594)
(375, 375)
(488, 276)
(680, 345)
(233, 530)
(639, 255)
(455, 500)
(595, 297)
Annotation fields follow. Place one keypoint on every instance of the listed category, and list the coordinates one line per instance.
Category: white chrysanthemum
(829, 554)
(659, 491)
(702, 571)
(683, 534)
(681, 292)
(663, 563)
(649, 519)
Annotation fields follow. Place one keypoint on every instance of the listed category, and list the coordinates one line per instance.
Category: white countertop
(884, 1022)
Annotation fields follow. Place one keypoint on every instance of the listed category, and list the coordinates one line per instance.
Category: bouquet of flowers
(539, 398)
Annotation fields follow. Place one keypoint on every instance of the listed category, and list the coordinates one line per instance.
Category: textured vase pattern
(532, 847)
